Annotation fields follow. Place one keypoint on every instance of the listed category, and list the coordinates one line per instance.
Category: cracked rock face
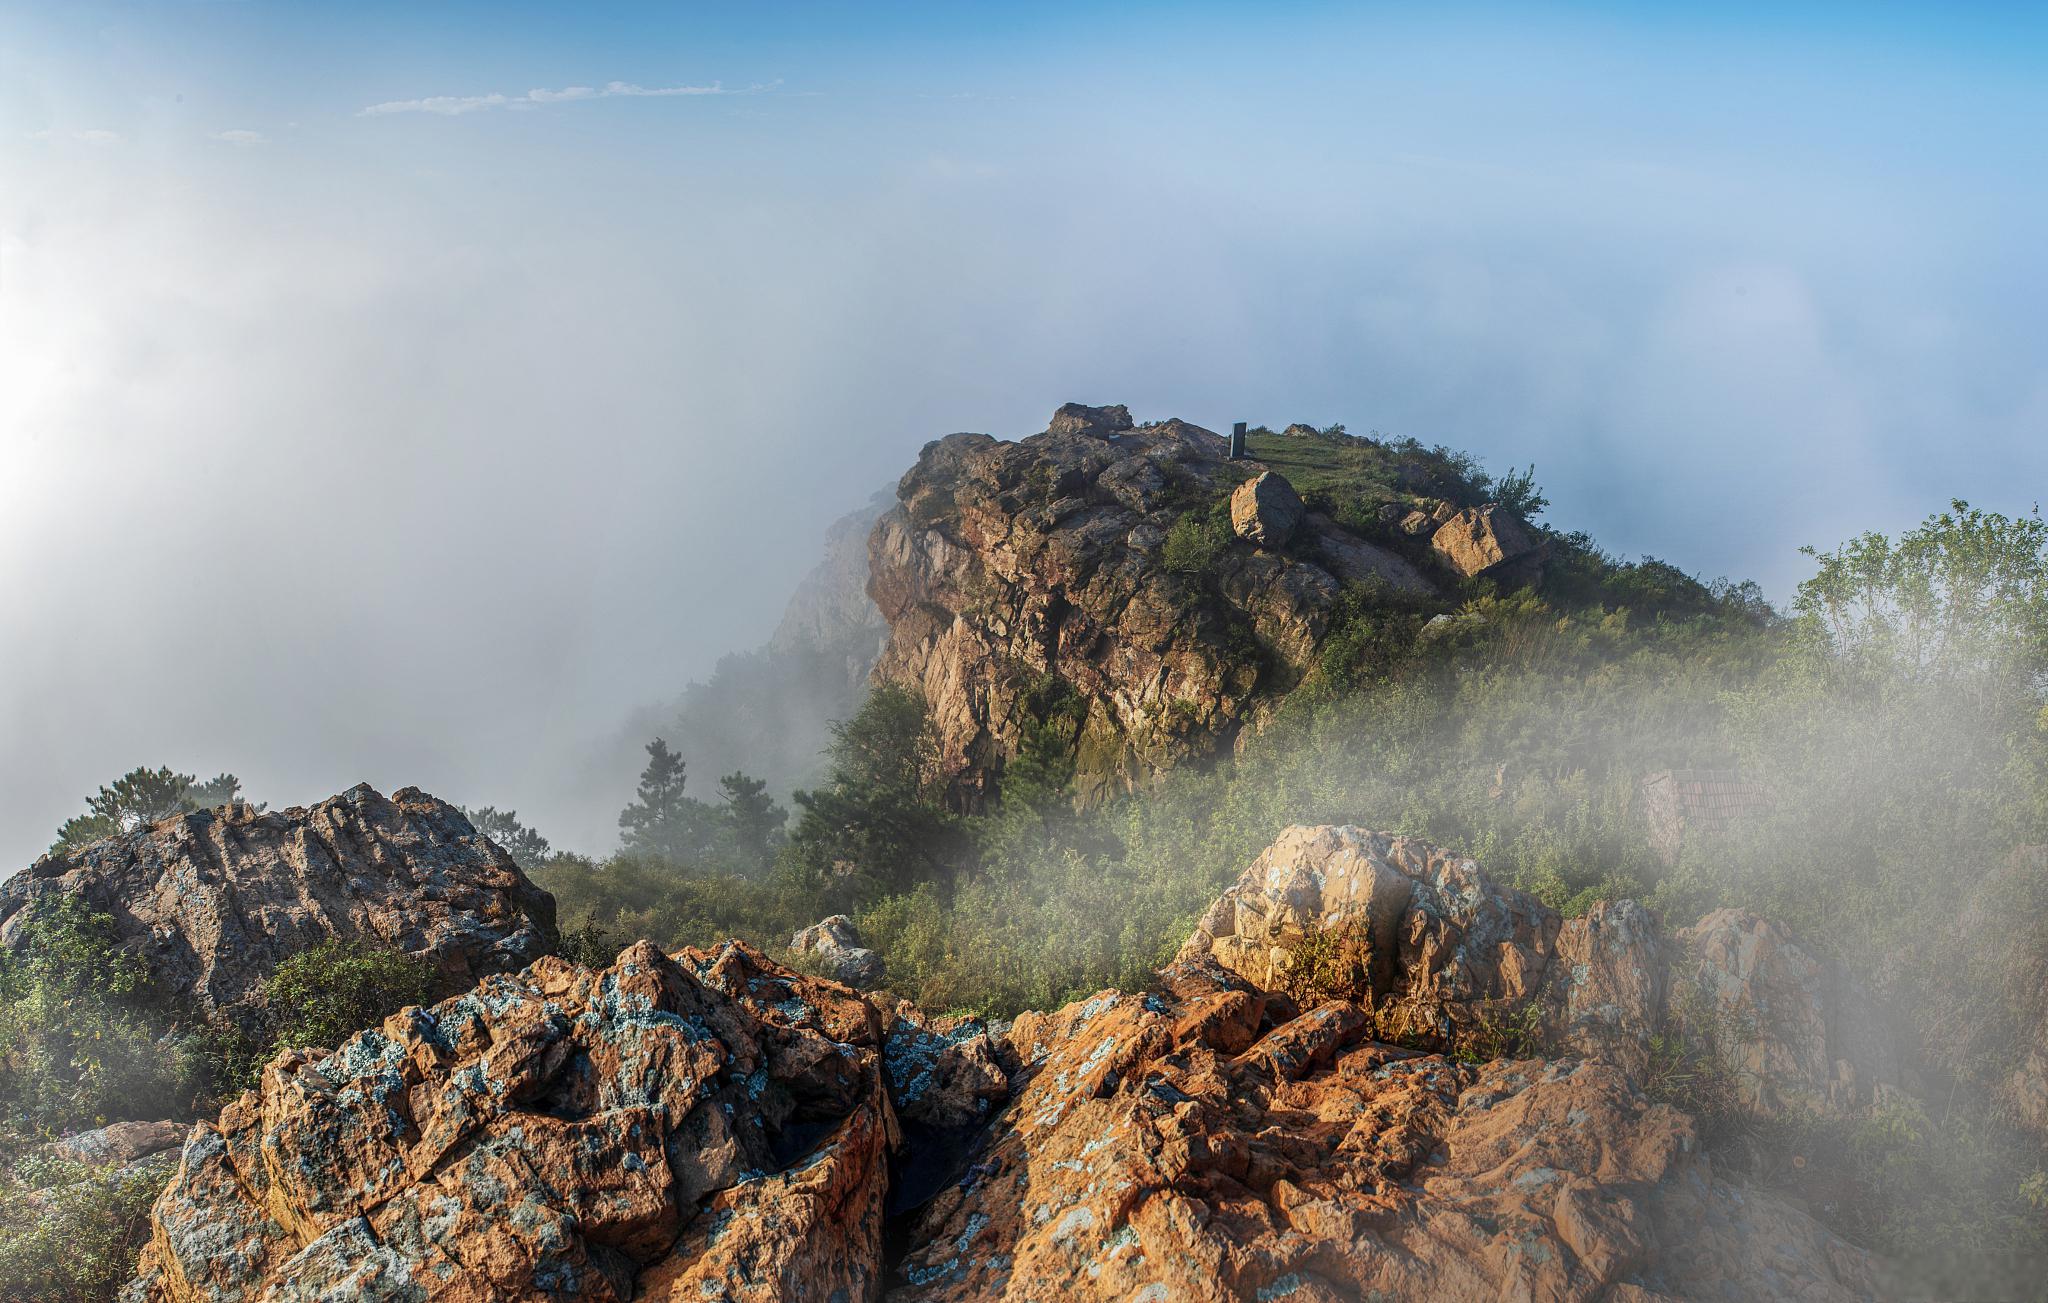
(214, 901)
(1194, 1143)
(709, 1125)
(1008, 563)
(1437, 950)
(698, 1127)
(1483, 540)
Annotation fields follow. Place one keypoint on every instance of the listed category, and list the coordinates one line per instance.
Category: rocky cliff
(709, 1125)
(213, 901)
(1140, 592)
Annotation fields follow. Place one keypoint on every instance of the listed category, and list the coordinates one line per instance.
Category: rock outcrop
(1429, 943)
(1792, 1030)
(711, 1126)
(213, 901)
(835, 943)
(830, 613)
(1195, 1143)
(1008, 567)
(1439, 951)
(703, 1126)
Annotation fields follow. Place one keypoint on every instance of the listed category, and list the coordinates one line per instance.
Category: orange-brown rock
(707, 1126)
(1265, 510)
(213, 901)
(1156, 1152)
(1438, 951)
(1480, 540)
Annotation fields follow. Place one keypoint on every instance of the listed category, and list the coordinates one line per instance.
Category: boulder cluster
(1285, 1113)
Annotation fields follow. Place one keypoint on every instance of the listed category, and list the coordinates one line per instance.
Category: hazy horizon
(400, 397)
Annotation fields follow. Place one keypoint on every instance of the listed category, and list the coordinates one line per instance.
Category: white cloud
(451, 105)
(241, 136)
(446, 105)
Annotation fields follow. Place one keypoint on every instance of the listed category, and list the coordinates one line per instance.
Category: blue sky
(350, 436)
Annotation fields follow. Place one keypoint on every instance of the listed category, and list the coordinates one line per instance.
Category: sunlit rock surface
(1186, 1144)
(705, 1126)
(710, 1125)
(1006, 565)
(214, 901)
(1484, 540)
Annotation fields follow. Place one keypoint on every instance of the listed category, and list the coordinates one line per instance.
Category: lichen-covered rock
(835, 943)
(1009, 565)
(943, 1072)
(704, 1126)
(214, 901)
(1478, 540)
(1792, 1029)
(1605, 991)
(1265, 510)
(1156, 1151)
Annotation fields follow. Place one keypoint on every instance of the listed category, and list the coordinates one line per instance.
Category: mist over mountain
(1447, 696)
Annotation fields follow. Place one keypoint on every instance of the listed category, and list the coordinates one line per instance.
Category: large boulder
(702, 1126)
(120, 1142)
(1420, 935)
(835, 944)
(1007, 565)
(1482, 540)
(1265, 510)
(213, 901)
(1079, 418)
(1200, 1142)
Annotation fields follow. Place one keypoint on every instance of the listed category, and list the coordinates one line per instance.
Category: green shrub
(71, 1232)
(83, 1040)
(316, 1000)
(1196, 543)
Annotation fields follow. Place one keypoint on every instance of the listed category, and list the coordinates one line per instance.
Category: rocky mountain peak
(1101, 577)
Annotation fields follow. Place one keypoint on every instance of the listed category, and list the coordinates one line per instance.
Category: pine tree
(662, 822)
(528, 849)
(755, 819)
(141, 797)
